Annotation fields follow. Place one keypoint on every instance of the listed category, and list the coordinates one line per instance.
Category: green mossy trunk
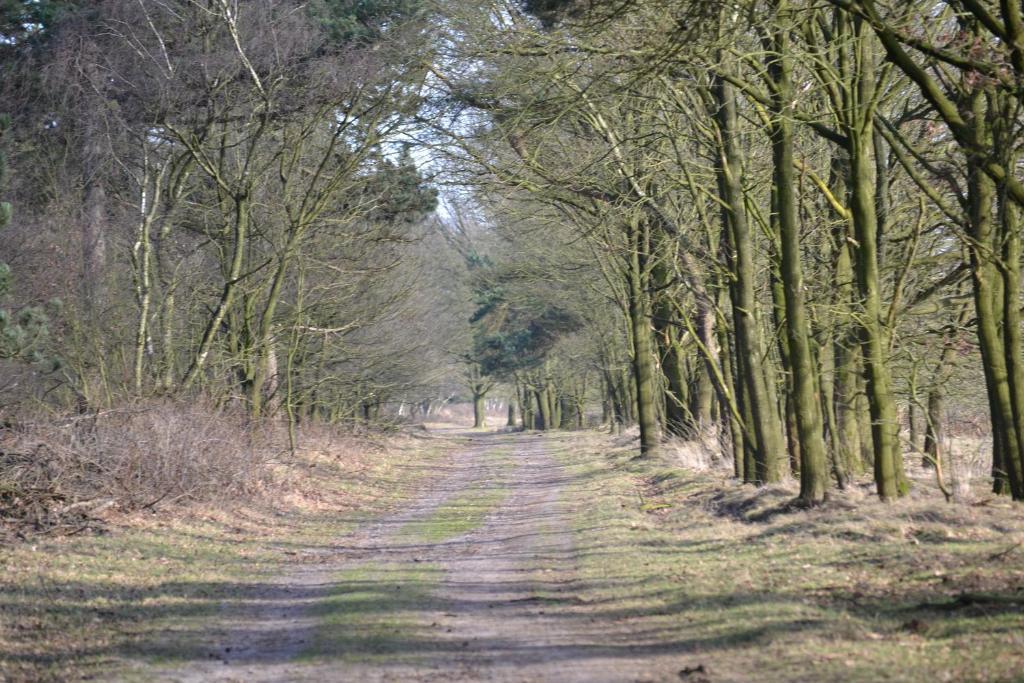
(846, 451)
(737, 440)
(826, 374)
(677, 417)
(671, 354)
(555, 409)
(1004, 130)
(627, 391)
(868, 207)
(615, 399)
(988, 297)
(846, 404)
(863, 414)
(813, 463)
(702, 394)
(673, 361)
(643, 347)
(751, 473)
(526, 411)
(766, 442)
(566, 413)
(890, 481)
(934, 433)
(785, 409)
(997, 301)
(913, 396)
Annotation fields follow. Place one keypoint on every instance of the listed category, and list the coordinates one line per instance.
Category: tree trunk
(990, 305)
(264, 342)
(643, 351)
(868, 207)
(142, 257)
(762, 422)
(479, 410)
(554, 407)
(737, 440)
(702, 394)
(606, 403)
(543, 410)
(94, 226)
(890, 482)
(676, 391)
(566, 413)
(227, 296)
(618, 406)
(934, 432)
(913, 407)
(526, 410)
(785, 410)
(813, 464)
(1010, 269)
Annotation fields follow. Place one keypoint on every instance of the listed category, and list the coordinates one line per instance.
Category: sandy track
(502, 603)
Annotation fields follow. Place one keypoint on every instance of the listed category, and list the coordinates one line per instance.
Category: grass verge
(456, 517)
(857, 590)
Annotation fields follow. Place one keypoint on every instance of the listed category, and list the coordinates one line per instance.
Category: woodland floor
(526, 557)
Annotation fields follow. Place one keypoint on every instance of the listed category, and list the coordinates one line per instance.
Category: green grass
(456, 517)
(468, 510)
(373, 613)
(859, 591)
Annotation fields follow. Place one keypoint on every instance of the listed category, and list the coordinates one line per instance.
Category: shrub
(58, 473)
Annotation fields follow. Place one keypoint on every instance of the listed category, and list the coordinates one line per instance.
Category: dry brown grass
(69, 475)
(59, 475)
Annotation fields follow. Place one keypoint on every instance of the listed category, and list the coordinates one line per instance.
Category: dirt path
(474, 581)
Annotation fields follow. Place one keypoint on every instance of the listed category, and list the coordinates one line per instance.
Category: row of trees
(794, 224)
(223, 197)
(806, 214)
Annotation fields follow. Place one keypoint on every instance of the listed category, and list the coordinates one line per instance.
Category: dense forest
(788, 231)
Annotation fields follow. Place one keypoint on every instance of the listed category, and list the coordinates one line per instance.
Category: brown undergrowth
(66, 475)
(70, 475)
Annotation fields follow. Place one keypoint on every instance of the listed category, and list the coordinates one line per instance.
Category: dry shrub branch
(56, 476)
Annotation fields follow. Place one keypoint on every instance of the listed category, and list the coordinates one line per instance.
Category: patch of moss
(468, 510)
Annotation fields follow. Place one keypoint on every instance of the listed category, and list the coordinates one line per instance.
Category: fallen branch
(1004, 553)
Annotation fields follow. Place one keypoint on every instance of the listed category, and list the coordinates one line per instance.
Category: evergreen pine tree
(20, 333)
